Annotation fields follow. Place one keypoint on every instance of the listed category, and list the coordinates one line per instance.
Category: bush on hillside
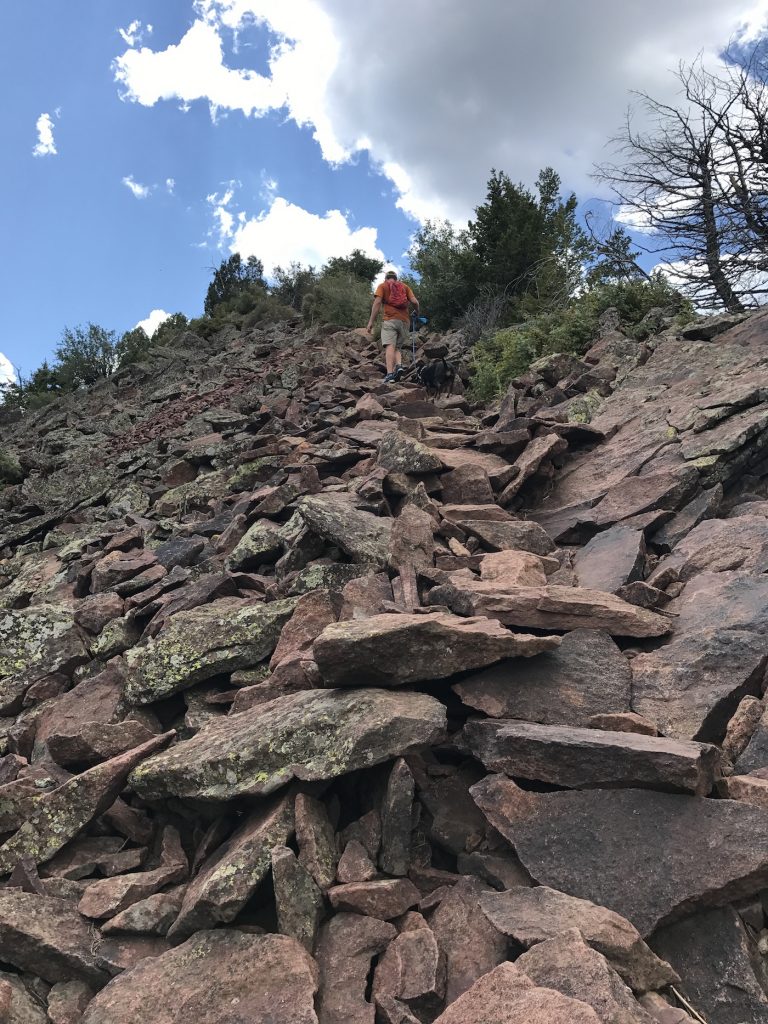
(340, 298)
(506, 354)
(84, 356)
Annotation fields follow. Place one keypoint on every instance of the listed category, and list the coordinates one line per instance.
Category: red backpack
(398, 295)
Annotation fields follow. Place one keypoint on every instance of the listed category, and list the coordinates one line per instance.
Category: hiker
(395, 296)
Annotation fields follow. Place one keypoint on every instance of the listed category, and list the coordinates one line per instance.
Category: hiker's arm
(414, 300)
(374, 313)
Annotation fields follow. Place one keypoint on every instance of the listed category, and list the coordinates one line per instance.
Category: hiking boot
(398, 373)
(390, 378)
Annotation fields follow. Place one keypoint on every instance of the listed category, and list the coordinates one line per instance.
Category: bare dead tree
(695, 176)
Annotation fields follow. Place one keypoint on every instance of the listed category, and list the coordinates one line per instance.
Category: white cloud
(170, 185)
(139, 191)
(7, 372)
(134, 34)
(512, 85)
(46, 145)
(153, 321)
(285, 232)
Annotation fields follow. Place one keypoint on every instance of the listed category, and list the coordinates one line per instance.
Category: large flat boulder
(220, 977)
(692, 686)
(586, 843)
(311, 735)
(220, 637)
(532, 916)
(391, 650)
(588, 758)
(550, 607)
(586, 675)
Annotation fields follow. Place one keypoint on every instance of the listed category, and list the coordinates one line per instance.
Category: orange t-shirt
(392, 312)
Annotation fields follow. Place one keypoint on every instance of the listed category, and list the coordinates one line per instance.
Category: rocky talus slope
(323, 701)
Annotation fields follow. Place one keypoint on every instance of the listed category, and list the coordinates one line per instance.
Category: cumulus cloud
(170, 185)
(514, 85)
(139, 191)
(285, 232)
(46, 145)
(7, 371)
(153, 321)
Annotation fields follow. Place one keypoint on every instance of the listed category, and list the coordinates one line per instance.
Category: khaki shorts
(394, 332)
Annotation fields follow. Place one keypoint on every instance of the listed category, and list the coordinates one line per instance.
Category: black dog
(437, 377)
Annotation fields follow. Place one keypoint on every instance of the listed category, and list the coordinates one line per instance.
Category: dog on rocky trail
(437, 377)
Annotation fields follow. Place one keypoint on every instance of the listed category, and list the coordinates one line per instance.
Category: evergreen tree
(357, 264)
(231, 278)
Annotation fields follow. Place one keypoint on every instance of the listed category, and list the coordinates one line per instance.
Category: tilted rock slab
(588, 758)
(391, 650)
(691, 687)
(652, 857)
(311, 735)
(531, 916)
(586, 675)
(47, 937)
(195, 645)
(58, 816)
(216, 977)
(229, 878)
(361, 535)
(551, 607)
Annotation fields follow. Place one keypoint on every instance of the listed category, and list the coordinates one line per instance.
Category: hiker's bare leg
(392, 357)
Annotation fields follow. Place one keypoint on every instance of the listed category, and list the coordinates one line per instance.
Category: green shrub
(342, 299)
(506, 354)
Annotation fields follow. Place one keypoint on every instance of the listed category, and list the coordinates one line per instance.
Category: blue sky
(158, 154)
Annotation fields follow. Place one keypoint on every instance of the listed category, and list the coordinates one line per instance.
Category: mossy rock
(10, 469)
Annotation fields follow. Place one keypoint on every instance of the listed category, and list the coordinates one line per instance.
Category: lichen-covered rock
(228, 879)
(41, 637)
(314, 734)
(57, 817)
(262, 543)
(361, 535)
(223, 636)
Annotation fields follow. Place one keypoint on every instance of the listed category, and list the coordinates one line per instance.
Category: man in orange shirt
(395, 297)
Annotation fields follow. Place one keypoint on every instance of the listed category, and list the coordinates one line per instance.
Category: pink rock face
(551, 607)
(345, 949)
(265, 977)
(507, 996)
(470, 944)
(385, 899)
(399, 649)
(589, 758)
